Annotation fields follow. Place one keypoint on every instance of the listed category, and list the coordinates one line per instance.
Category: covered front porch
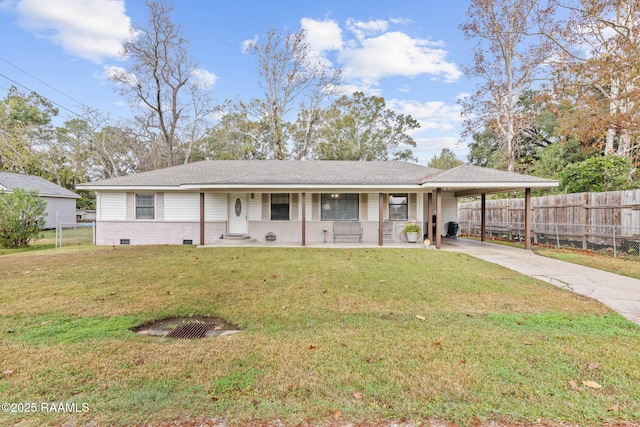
(333, 217)
(426, 209)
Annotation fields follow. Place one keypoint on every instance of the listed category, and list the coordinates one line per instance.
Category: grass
(324, 329)
(619, 265)
(77, 236)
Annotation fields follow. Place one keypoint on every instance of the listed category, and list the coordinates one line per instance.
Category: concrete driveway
(620, 293)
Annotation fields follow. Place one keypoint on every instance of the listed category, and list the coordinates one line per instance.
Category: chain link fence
(616, 241)
(75, 234)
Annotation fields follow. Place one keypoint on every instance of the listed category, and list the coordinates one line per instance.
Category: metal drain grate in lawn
(190, 330)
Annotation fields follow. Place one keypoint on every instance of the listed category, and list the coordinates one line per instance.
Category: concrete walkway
(620, 293)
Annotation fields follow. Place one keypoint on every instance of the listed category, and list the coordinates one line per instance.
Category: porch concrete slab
(620, 293)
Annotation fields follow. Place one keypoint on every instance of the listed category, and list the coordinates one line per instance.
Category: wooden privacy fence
(583, 219)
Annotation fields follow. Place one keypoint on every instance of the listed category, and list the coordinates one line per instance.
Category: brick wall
(155, 232)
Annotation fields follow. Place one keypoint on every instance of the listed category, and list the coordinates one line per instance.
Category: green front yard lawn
(619, 265)
(329, 335)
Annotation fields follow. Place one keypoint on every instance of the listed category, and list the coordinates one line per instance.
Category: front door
(238, 213)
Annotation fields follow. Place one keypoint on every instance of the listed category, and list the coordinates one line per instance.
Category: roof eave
(496, 184)
(58, 196)
(248, 187)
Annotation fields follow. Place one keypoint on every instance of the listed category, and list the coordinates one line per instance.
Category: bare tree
(107, 148)
(161, 82)
(507, 60)
(291, 76)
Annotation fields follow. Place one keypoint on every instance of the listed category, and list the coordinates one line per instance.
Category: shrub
(604, 173)
(22, 216)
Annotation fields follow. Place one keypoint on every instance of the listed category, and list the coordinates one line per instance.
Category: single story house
(297, 202)
(61, 203)
(85, 215)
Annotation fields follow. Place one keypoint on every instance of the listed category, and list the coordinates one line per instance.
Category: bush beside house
(22, 217)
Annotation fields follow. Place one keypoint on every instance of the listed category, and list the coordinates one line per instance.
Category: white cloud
(395, 53)
(112, 72)
(362, 29)
(439, 127)
(204, 78)
(426, 148)
(92, 30)
(249, 44)
(433, 115)
(404, 21)
(373, 51)
(437, 144)
(367, 89)
(322, 35)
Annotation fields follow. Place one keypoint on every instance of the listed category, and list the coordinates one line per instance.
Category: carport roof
(469, 180)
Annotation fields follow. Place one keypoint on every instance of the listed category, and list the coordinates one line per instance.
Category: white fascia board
(250, 188)
(362, 188)
(488, 185)
(125, 188)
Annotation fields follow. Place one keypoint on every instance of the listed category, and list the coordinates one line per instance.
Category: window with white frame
(339, 207)
(279, 207)
(145, 206)
(398, 207)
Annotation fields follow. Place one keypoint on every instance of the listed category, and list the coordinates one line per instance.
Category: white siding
(421, 201)
(449, 208)
(181, 206)
(215, 207)
(309, 206)
(112, 206)
(255, 207)
(372, 206)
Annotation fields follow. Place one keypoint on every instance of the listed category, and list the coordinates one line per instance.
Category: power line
(31, 90)
(43, 82)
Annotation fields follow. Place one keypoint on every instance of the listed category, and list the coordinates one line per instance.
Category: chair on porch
(387, 230)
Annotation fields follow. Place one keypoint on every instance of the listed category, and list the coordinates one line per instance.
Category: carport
(468, 180)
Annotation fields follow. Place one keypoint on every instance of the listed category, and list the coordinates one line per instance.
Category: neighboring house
(61, 203)
(85, 215)
(294, 202)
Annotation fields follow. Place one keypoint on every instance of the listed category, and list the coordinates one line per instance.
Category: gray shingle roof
(477, 174)
(9, 181)
(277, 172)
(311, 173)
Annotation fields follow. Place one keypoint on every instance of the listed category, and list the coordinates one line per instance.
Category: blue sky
(409, 52)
